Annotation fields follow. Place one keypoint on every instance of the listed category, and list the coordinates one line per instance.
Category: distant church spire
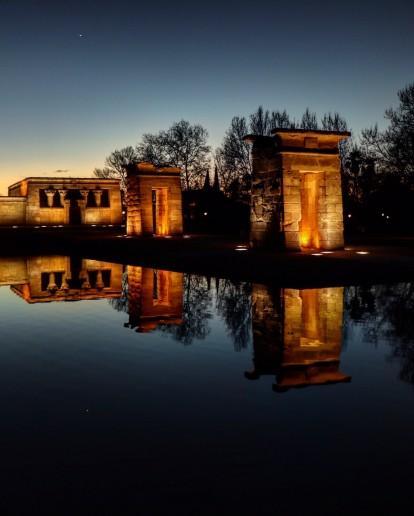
(216, 183)
(207, 185)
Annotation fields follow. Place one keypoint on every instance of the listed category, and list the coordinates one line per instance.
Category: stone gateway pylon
(296, 199)
(154, 201)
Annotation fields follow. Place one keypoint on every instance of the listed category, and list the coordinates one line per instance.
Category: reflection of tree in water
(120, 304)
(234, 305)
(387, 312)
(197, 304)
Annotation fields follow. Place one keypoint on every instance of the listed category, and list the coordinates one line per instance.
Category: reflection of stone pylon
(134, 295)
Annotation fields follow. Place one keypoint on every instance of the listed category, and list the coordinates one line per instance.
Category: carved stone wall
(266, 198)
(282, 167)
(12, 211)
(24, 206)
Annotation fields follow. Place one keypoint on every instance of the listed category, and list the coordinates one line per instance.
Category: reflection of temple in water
(60, 278)
(154, 297)
(297, 336)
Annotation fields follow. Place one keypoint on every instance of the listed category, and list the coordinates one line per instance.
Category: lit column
(62, 195)
(50, 195)
(99, 281)
(65, 284)
(85, 277)
(52, 287)
(82, 204)
(98, 197)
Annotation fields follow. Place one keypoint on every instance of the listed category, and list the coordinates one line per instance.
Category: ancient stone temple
(61, 201)
(154, 201)
(296, 190)
(297, 336)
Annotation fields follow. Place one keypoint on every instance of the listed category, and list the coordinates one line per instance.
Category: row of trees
(376, 166)
(186, 146)
(182, 145)
(378, 170)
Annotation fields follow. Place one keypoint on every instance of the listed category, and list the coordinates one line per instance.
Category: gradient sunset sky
(67, 101)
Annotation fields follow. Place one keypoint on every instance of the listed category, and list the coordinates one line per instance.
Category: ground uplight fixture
(362, 252)
(327, 252)
(317, 254)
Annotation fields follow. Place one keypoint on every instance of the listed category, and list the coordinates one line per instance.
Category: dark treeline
(384, 313)
(377, 167)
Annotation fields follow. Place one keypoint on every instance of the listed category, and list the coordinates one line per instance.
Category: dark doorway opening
(74, 209)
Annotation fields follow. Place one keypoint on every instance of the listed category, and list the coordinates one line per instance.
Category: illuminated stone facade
(154, 202)
(297, 336)
(62, 201)
(296, 190)
(154, 297)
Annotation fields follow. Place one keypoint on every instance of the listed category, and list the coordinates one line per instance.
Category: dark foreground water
(126, 390)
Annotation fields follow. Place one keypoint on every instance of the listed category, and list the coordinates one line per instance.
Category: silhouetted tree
(233, 160)
(393, 149)
(260, 122)
(309, 121)
(116, 164)
(333, 122)
(182, 145)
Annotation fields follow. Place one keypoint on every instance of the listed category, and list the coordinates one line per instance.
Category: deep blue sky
(66, 102)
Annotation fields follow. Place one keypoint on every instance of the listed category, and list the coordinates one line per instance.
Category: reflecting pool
(127, 389)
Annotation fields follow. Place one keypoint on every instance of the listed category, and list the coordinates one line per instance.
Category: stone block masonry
(154, 201)
(62, 201)
(296, 198)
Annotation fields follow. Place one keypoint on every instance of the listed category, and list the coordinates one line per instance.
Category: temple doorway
(159, 211)
(74, 209)
(309, 224)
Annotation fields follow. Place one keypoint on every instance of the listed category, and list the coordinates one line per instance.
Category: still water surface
(130, 390)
